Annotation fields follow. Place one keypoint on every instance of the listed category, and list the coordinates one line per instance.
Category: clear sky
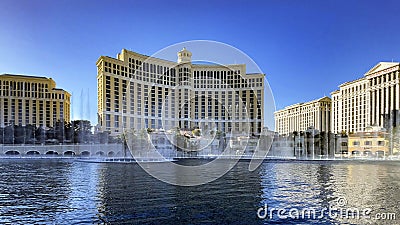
(306, 48)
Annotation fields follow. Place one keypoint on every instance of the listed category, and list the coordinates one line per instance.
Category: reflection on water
(33, 191)
(67, 192)
(318, 185)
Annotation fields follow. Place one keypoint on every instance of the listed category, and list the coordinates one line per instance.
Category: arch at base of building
(12, 152)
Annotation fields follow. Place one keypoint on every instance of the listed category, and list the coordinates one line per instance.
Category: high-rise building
(137, 91)
(372, 100)
(384, 93)
(350, 107)
(301, 116)
(32, 100)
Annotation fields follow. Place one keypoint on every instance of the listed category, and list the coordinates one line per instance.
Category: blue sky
(306, 48)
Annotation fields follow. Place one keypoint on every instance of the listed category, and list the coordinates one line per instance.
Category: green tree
(68, 132)
(59, 129)
(40, 134)
(394, 143)
(82, 131)
(29, 133)
(196, 132)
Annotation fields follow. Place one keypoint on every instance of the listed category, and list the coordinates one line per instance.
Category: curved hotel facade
(137, 91)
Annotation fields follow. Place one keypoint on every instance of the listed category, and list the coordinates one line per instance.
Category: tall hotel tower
(372, 100)
(32, 100)
(302, 116)
(137, 91)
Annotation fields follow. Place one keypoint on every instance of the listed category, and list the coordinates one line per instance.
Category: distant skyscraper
(138, 91)
(32, 100)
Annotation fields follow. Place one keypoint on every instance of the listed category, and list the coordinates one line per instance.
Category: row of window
(164, 75)
(27, 89)
(22, 85)
(18, 108)
(368, 143)
(384, 78)
(353, 90)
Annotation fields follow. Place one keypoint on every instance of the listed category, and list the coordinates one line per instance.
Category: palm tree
(301, 145)
(395, 142)
(19, 134)
(295, 133)
(322, 142)
(306, 142)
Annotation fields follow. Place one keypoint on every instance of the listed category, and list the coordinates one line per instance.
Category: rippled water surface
(61, 191)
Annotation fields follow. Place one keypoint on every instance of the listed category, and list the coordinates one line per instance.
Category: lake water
(63, 191)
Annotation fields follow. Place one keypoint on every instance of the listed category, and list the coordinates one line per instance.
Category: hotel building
(371, 142)
(301, 116)
(32, 100)
(372, 100)
(137, 91)
(350, 107)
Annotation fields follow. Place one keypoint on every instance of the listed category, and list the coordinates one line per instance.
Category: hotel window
(34, 112)
(48, 117)
(62, 111)
(116, 121)
(54, 110)
(108, 120)
(27, 112)
(356, 143)
(13, 110)
(368, 142)
(19, 111)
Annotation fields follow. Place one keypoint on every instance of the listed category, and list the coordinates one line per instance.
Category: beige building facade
(372, 100)
(136, 91)
(384, 81)
(372, 142)
(32, 100)
(350, 107)
(301, 116)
